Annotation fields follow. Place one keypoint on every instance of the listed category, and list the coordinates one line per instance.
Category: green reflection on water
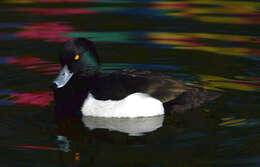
(102, 36)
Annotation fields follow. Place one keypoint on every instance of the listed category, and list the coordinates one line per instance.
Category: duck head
(77, 57)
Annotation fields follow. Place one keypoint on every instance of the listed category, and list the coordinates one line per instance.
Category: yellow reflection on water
(77, 156)
(194, 41)
(236, 51)
(225, 12)
(220, 19)
(221, 83)
(225, 37)
(230, 122)
(232, 4)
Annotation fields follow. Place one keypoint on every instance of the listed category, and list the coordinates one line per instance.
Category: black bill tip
(54, 86)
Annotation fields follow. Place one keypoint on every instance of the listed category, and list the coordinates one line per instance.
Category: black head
(78, 56)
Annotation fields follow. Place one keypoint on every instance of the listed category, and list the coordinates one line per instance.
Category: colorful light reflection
(45, 1)
(31, 147)
(239, 83)
(33, 63)
(48, 31)
(196, 41)
(57, 11)
(221, 12)
(38, 98)
(41, 99)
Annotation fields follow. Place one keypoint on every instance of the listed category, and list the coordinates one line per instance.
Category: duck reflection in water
(79, 137)
(72, 125)
(133, 127)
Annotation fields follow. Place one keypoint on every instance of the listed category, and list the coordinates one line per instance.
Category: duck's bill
(63, 77)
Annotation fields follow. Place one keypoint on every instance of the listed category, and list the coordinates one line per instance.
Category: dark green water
(214, 44)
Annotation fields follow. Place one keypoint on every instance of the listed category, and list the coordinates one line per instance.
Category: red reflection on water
(255, 52)
(252, 20)
(35, 98)
(38, 147)
(66, 0)
(245, 13)
(256, 86)
(172, 5)
(34, 63)
(45, 67)
(50, 73)
(26, 60)
(256, 79)
(50, 31)
(251, 40)
(60, 11)
(32, 147)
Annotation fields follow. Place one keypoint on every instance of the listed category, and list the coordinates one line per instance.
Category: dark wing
(119, 84)
(171, 92)
(161, 86)
(176, 95)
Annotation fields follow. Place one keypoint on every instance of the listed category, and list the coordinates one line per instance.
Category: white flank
(132, 106)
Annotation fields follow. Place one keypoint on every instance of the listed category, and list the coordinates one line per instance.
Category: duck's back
(176, 95)
(120, 84)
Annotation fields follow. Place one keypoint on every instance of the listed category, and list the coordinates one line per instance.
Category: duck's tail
(190, 99)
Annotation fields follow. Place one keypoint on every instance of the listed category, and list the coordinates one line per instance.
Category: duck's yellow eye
(76, 57)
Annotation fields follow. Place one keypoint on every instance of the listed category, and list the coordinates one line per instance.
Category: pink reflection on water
(49, 31)
(34, 63)
(25, 60)
(57, 11)
(35, 98)
(42, 98)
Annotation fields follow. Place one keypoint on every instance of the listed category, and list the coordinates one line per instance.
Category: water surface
(214, 44)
